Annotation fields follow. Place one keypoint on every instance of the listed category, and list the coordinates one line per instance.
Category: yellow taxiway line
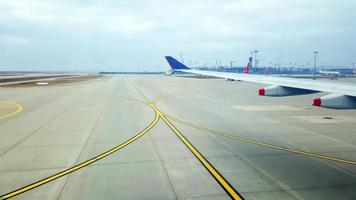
(81, 165)
(229, 189)
(11, 105)
(260, 143)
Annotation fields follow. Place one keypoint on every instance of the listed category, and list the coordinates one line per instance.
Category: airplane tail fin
(247, 69)
(175, 64)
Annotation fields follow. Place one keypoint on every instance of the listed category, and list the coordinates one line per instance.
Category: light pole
(232, 62)
(256, 61)
(251, 56)
(315, 55)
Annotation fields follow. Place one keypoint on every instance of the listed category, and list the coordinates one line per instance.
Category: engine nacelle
(277, 90)
(336, 101)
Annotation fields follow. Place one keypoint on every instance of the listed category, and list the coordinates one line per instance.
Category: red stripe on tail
(247, 69)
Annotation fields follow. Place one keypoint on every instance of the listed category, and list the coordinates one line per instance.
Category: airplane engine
(277, 90)
(335, 101)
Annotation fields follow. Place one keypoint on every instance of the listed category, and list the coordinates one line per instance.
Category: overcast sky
(135, 35)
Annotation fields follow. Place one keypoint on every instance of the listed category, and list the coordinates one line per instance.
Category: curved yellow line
(230, 190)
(18, 109)
(260, 143)
(218, 177)
(83, 164)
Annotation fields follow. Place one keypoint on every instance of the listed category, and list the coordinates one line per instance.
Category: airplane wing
(342, 95)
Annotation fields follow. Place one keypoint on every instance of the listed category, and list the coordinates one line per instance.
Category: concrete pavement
(61, 126)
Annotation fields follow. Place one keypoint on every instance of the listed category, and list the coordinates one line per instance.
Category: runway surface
(156, 137)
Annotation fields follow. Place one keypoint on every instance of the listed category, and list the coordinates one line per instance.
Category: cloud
(112, 33)
(72, 16)
(13, 41)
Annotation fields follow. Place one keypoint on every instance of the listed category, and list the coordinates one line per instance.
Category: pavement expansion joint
(226, 186)
(261, 143)
(81, 165)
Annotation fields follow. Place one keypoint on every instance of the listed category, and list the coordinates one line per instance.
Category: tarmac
(158, 137)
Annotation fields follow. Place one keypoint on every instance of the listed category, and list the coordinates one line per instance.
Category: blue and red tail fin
(247, 69)
(175, 64)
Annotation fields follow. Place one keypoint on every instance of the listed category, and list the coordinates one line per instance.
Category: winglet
(175, 64)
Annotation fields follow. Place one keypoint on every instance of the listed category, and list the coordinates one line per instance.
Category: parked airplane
(343, 95)
(330, 74)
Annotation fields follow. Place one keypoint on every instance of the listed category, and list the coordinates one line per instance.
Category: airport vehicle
(342, 95)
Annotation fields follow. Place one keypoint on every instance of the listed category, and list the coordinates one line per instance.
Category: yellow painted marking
(158, 114)
(221, 180)
(81, 165)
(11, 105)
(244, 139)
(218, 177)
